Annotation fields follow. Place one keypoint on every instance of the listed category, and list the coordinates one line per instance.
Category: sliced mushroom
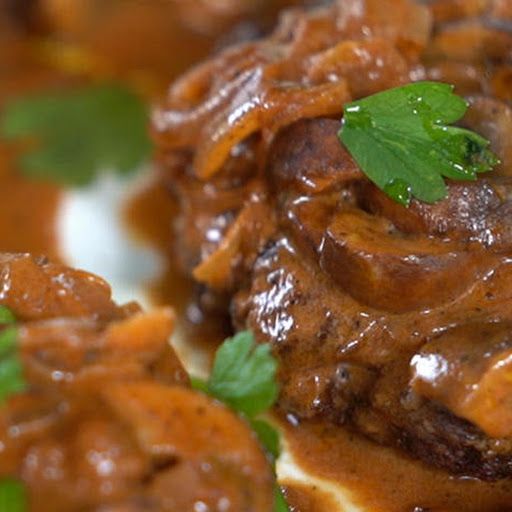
(473, 211)
(387, 270)
(246, 236)
(309, 157)
(469, 371)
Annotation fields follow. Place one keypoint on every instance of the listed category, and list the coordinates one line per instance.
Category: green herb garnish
(268, 436)
(243, 375)
(401, 140)
(11, 369)
(13, 497)
(280, 501)
(80, 133)
(244, 378)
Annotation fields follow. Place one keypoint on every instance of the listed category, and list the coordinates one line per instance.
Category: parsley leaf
(79, 133)
(199, 384)
(401, 140)
(11, 369)
(244, 378)
(12, 496)
(243, 375)
(280, 504)
(268, 436)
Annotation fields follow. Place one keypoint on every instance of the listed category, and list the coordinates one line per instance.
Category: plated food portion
(333, 193)
(106, 418)
(391, 319)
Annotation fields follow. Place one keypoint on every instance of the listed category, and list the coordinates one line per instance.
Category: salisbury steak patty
(359, 296)
(356, 307)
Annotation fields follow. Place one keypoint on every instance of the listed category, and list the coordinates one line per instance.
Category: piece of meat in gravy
(109, 421)
(355, 293)
(353, 287)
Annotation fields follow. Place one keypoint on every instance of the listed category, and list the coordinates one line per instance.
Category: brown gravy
(149, 215)
(307, 498)
(25, 229)
(383, 480)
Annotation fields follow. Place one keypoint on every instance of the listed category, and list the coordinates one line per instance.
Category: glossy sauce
(25, 229)
(149, 215)
(380, 478)
(383, 480)
(307, 498)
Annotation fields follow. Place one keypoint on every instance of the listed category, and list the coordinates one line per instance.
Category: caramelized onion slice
(81, 354)
(451, 10)
(406, 23)
(471, 41)
(368, 66)
(277, 107)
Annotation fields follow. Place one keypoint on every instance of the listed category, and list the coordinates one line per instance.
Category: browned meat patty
(358, 295)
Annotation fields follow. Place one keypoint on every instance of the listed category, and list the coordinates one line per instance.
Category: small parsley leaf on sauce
(11, 369)
(12, 496)
(72, 136)
(244, 378)
(402, 141)
(6, 316)
(243, 375)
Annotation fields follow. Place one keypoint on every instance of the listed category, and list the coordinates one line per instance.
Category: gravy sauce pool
(383, 480)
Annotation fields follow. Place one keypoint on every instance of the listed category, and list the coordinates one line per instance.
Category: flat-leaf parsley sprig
(401, 140)
(244, 378)
(76, 134)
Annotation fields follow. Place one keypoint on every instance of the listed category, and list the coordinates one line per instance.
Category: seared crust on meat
(348, 286)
